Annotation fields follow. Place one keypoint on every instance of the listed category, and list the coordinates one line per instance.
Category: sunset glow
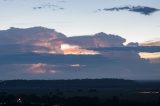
(76, 50)
(147, 55)
(41, 68)
(46, 44)
(77, 65)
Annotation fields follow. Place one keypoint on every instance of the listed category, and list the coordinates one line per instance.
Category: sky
(33, 52)
(82, 17)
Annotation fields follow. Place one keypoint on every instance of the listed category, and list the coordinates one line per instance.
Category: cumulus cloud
(43, 40)
(139, 9)
(97, 40)
(111, 58)
(76, 50)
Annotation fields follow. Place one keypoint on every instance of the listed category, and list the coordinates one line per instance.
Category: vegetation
(88, 92)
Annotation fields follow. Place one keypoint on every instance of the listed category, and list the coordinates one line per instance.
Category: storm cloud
(135, 49)
(43, 40)
(99, 55)
(45, 66)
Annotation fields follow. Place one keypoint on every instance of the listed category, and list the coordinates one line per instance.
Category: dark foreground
(97, 92)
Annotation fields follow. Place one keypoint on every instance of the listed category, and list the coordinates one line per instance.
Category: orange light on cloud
(77, 65)
(76, 50)
(41, 68)
(52, 46)
(152, 43)
(47, 45)
(147, 55)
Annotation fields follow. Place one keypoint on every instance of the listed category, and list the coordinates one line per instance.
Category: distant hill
(66, 84)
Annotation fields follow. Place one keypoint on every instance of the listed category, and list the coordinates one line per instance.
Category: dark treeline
(76, 83)
(60, 100)
(86, 92)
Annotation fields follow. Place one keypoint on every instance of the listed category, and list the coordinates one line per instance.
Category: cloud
(76, 50)
(45, 66)
(45, 4)
(31, 58)
(52, 5)
(151, 53)
(43, 40)
(135, 49)
(97, 40)
(40, 68)
(151, 43)
(53, 59)
(48, 6)
(147, 55)
(139, 9)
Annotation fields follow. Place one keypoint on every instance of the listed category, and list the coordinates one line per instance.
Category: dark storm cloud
(116, 61)
(135, 49)
(92, 66)
(139, 9)
(31, 58)
(16, 48)
(40, 39)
